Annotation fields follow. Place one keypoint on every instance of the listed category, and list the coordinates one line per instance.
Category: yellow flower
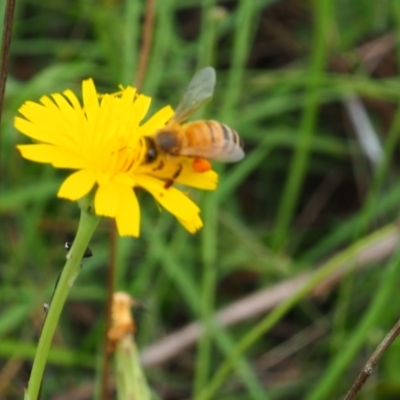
(103, 141)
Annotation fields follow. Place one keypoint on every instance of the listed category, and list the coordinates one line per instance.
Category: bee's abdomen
(206, 132)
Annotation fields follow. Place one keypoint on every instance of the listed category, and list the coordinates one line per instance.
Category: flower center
(129, 157)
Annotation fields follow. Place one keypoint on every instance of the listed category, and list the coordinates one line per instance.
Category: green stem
(87, 225)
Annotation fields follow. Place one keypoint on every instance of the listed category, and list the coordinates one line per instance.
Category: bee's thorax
(168, 141)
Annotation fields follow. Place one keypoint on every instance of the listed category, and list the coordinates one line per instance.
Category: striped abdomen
(212, 140)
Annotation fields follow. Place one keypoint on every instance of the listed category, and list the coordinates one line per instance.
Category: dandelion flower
(103, 142)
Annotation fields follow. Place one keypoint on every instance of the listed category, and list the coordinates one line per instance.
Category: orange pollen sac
(201, 165)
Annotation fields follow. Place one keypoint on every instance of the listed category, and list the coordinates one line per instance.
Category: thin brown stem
(370, 365)
(110, 292)
(5, 55)
(146, 43)
(143, 60)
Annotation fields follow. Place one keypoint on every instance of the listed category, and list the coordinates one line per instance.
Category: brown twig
(146, 43)
(5, 55)
(369, 366)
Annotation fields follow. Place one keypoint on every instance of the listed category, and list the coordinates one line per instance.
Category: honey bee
(200, 140)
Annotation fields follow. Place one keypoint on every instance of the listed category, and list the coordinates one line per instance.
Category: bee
(200, 140)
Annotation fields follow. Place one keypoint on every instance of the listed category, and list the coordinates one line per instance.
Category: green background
(307, 197)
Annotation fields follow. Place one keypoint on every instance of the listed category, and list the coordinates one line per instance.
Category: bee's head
(151, 152)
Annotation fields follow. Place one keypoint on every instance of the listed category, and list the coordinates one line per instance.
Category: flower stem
(87, 225)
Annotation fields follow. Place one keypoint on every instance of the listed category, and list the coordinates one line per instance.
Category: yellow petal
(47, 153)
(156, 121)
(125, 179)
(107, 199)
(200, 180)
(70, 95)
(77, 185)
(188, 176)
(71, 119)
(54, 122)
(192, 226)
(80, 115)
(31, 129)
(171, 199)
(37, 152)
(126, 110)
(63, 105)
(142, 105)
(47, 126)
(90, 100)
(137, 111)
(34, 111)
(128, 215)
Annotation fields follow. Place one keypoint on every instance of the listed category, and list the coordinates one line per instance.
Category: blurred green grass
(280, 86)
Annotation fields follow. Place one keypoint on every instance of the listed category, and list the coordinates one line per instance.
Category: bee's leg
(171, 180)
(159, 166)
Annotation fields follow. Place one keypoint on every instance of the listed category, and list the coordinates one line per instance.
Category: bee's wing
(223, 151)
(198, 92)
